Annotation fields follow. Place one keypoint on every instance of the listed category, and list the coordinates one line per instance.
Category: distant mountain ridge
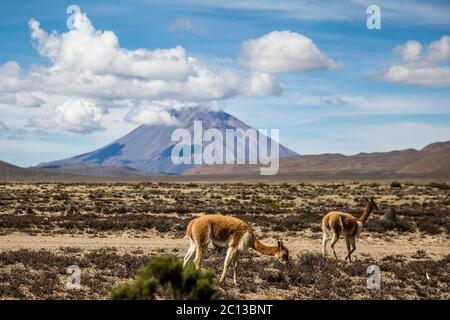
(433, 160)
(148, 148)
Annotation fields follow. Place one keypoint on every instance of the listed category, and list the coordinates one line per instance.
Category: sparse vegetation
(168, 208)
(141, 210)
(28, 274)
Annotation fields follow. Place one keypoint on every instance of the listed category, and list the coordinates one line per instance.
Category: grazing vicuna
(337, 223)
(228, 232)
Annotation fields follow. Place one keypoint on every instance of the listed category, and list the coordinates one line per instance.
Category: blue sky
(363, 105)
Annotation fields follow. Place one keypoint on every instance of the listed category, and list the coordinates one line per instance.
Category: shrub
(267, 201)
(396, 184)
(429, 227)
(61, 196)
(165, 276)
(439, 185)
(391, 215)
(192, 185)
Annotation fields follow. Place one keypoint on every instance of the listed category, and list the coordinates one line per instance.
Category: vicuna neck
(365, 214)
(263, 249)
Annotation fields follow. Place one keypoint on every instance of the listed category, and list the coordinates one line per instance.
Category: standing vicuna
(337, 223)
(225, 231)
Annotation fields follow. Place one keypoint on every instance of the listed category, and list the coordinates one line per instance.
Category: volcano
(148, 148)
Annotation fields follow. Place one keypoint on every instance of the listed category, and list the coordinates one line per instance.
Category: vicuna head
(372, 205)
(282, 253)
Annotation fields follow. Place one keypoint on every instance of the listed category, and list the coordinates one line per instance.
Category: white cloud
(262, 84)
(89, 73)
(78, 115)
(153, 113)
(90, 63)
(9, 77)
(426, 66)
(427, 76)
(85, 48)
(284, 52)
(21, 99)
(410, 51)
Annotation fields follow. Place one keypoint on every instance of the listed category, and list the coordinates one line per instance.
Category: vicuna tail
(209, 226)
(325, 226)
(189, 230)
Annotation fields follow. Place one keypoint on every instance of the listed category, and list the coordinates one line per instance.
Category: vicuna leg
(353, 245)
(231, 252)
(324, 243)
(336, 235)
(199, 255)
(190, 253)
(347, 242)
(235, 264)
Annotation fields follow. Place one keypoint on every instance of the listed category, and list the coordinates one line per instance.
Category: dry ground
(111, 230)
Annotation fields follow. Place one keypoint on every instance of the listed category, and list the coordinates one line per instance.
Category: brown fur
(337, 223)
(231, 232)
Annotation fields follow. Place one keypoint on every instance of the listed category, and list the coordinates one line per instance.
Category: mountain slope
(148, 148)
(9, 172)
(433, 160)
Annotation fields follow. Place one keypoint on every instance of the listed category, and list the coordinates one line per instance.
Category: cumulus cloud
(260, 84)
(153, 113)
(284, 52)
(85, 48)
(9, 77)
(421, 65)
(76, 115)
(21, 99)
(90, 69)
(106, 70)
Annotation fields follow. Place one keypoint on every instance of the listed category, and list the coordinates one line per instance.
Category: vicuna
(336, 223)
(228, 232)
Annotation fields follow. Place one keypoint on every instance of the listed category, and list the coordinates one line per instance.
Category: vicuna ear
(280, 244)
(367, 200)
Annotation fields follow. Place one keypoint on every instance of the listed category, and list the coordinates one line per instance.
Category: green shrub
(61, 196)
(439, 185)
(267, 201)
(396, 184)
(192, 185)
(166, 277)
(153, 191)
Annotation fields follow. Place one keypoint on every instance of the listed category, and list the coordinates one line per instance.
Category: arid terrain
(111, 230)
